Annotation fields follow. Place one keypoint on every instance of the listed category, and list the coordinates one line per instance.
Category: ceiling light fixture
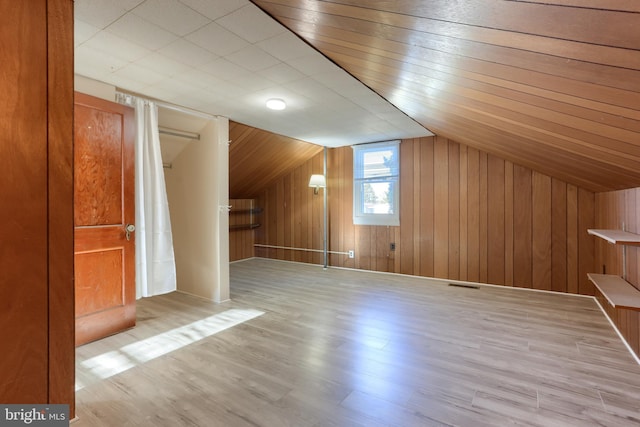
(276, 104)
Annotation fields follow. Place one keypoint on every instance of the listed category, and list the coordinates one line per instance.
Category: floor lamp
(317, 182)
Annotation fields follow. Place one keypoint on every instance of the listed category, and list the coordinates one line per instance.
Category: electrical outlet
(392, 246)
(351, 254)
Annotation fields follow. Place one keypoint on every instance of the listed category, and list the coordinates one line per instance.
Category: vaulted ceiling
(550, 84)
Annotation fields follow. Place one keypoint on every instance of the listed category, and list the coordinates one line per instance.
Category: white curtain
(155, 262)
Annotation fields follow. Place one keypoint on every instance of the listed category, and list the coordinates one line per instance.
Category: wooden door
(104, 206)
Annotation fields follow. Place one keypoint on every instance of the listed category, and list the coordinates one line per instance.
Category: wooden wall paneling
(541, 231)
(281, 225)
(441, 208)
(396, 255)
(636, 219)
(380, 241)
(631, 224)
(317, 221)
(23, 213)
(586, 220)
(522, 224)
(600, 219)
(473, 214)
(612, 215)
(496, 220)
(60, 199)
(622, 216)
(272, 206)
(307, 226)
(407, 211)
(484, 217)
(427, 208)
(633, 329)
(378, 46)
(572, 239)
(454, 210)
(257, 158)
(298, 188)
(558, 236)
(259, 233)
(633, 254)
(464, 225)
(363, 246)
(508, 223)
(241, 241)
(418, 204)
(349, 232)
(288, 216)
(36, 213)
(334, 183)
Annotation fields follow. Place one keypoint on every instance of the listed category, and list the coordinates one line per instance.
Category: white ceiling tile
(172, 16)
(88, 58)
(214, 70)
(225, 70)
(308, 87)
(139, 31)
(216, 39)
(163, 64)
(82, 32)
(230, 90)
(252, 58)
(116, 46)
(166, 90)
(313, 64)
(281, 73)
(214, 9)
(124, 82)
(140, 74)
(286, 46)
(90, 71)
(252, 83)
(338, 79)
(187, 53)
(199, 78)
(243, 23)
(101, 13)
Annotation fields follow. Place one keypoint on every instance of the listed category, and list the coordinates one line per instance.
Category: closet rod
(179, 133)
(168, 105)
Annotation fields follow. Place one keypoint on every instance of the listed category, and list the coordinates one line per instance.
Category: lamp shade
(317, 181)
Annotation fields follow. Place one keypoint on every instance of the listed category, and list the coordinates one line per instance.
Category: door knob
(130, 228)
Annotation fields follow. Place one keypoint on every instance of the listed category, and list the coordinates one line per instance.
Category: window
(376, 192)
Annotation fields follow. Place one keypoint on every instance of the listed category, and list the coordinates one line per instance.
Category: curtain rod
(168, 105)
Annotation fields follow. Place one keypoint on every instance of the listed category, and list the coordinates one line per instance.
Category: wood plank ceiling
(258, 157)
(549, 84)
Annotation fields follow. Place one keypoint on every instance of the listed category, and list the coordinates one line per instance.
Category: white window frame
(363, 218)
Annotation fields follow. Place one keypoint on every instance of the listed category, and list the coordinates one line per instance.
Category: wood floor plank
(301, 346)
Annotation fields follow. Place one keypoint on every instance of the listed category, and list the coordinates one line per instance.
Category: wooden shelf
(617, 237)
(238, 227)
(246, 211)
(619, 292)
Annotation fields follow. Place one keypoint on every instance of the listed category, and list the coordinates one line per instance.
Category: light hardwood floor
(314, 347)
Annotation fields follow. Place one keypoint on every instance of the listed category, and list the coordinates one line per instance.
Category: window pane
(377, 198)
(376, 170)
(379, 163)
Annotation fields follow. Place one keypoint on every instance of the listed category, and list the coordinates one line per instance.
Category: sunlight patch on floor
(114, 362)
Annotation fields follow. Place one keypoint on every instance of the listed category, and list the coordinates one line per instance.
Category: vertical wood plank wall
(241, 240)
(464, 215)
(614, 210)
(36, 203)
